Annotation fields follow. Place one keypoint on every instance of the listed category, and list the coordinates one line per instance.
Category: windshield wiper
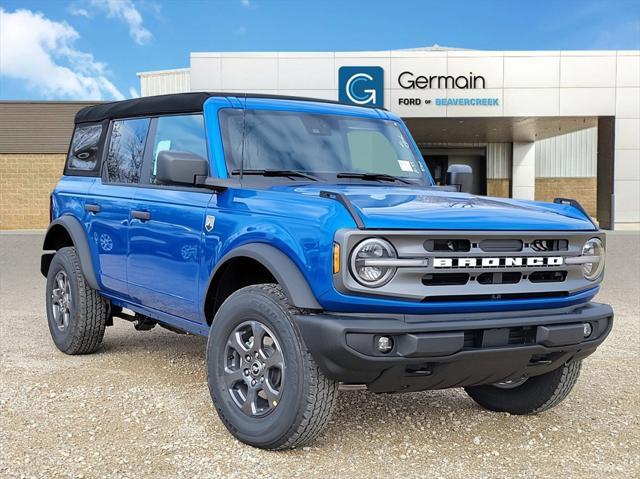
(275, 173)
(372, 176)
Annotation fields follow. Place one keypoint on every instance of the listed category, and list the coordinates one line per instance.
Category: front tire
(533, 396)
(265, 385)
(76, 313)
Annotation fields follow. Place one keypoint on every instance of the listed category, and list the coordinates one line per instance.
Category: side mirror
(460, 176)
(180, 167)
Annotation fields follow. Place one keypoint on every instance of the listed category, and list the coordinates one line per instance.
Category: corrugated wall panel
(573, 155)
(160, 83)
(499, 160)
(37, 127)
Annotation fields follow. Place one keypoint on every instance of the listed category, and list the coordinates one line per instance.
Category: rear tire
(535, 395)
(269, 393)
(76, 313)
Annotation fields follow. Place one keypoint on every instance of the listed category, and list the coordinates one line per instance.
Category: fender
(282, 268)
(78, 236)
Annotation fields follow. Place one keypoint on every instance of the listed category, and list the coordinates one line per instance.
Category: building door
(437, 165)
(439, 159)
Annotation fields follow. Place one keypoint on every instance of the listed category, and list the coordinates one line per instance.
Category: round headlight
(594, 248)
(367, 262)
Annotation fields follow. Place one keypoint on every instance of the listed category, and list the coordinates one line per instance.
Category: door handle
(141, 215)
(92, 208)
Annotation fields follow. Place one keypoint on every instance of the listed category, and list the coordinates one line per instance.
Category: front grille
(482, 338)
(547, 276)
(550, 245)
(499, 278)
(450, 245)
(445, 279)
(525, 335)
(494, 297)
(466, 266)
(501, 245)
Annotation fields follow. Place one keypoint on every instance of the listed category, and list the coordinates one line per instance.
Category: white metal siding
(499, 160)
(163, 82)
(573, 155)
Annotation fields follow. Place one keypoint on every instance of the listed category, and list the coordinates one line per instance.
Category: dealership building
(532, 124)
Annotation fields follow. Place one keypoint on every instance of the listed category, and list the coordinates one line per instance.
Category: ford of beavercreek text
(309, 242)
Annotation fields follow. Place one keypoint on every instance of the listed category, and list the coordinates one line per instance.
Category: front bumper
(451, 350)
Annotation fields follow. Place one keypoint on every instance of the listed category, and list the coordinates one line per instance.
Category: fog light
(385, 344)
(587, 329)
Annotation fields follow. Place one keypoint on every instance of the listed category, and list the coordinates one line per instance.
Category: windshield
(318, 144)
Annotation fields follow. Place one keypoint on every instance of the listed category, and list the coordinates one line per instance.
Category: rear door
(167, 225)
(110, 200)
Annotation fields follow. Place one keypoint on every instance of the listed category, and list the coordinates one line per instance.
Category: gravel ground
(140, 407)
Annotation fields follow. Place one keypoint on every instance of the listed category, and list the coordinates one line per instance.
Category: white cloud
(245, 3)
(41, 52)
(78, 12)
(133, 92)
(127, 12)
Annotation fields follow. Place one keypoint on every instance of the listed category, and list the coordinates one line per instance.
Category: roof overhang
(494, 129)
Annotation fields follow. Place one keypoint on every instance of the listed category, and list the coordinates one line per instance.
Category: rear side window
(83, 154)
(183, 133)
(126, 150)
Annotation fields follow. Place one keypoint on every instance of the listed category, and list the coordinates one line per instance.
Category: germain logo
(408, 81)
(513, 262)
(361, 86)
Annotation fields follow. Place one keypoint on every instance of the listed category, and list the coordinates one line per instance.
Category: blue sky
(92, 49)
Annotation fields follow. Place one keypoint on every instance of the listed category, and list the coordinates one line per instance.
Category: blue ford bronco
(308, 241)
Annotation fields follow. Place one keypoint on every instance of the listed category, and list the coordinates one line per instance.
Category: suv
(308, 241)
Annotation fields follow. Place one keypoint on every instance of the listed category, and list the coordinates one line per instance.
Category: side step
(141, 322)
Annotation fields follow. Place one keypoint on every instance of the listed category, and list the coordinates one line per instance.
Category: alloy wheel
(61, 300)
(254, 368)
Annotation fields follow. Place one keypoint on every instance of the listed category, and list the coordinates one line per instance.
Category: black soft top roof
(150, 105)
(164, 105)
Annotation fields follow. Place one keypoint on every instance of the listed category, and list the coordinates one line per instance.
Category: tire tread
(91, 310)
(536, 395)
(322, 392)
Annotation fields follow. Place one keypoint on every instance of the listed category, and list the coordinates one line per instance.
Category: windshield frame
(423, 178)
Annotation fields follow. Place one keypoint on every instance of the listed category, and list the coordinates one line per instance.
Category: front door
(168, 225)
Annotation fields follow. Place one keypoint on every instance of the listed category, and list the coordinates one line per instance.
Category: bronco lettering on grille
(504, 262)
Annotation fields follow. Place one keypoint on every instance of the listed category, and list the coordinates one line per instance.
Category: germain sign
(408, 80)
(364, 85)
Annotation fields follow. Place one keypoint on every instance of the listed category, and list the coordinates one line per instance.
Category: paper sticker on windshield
(405, 165)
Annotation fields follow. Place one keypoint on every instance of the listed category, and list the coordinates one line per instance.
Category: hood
(397, 207)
